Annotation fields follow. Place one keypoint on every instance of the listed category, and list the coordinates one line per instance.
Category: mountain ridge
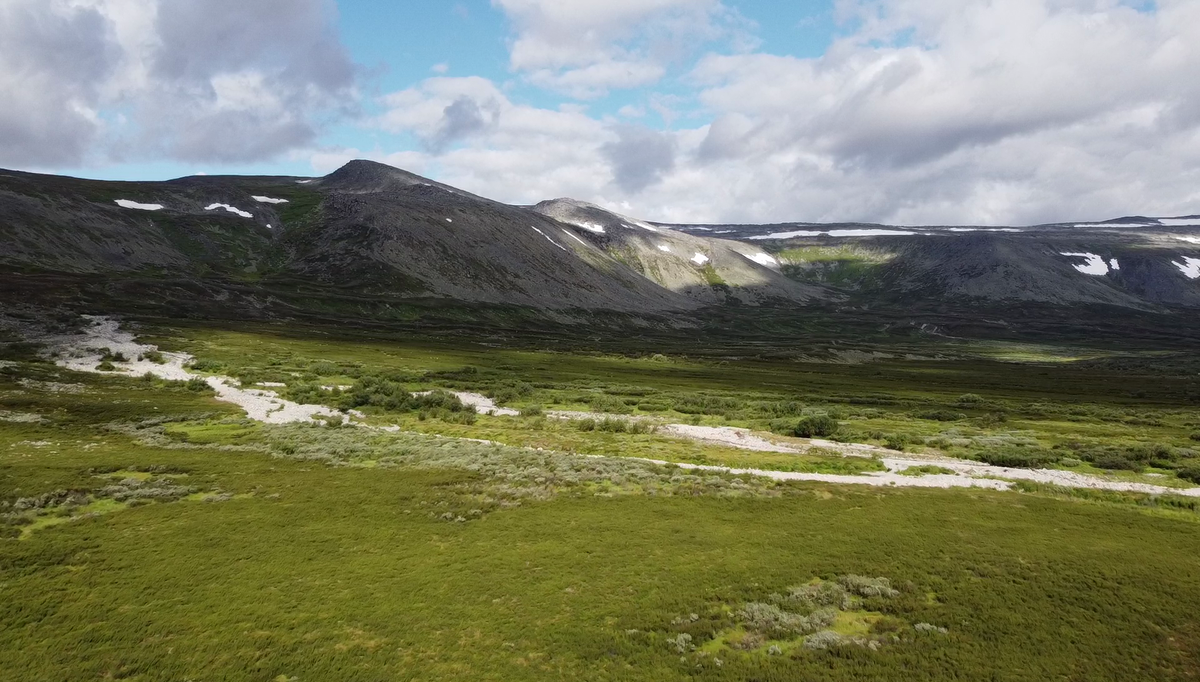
(383, 232)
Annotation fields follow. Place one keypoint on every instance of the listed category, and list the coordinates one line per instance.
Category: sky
(893, 111)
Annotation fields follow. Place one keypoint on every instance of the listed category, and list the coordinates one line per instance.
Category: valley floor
(605, 525)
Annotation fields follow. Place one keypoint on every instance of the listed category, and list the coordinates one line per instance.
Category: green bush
(1191, 474)
(106, 366)
(1116, 462)
(586, 424)
(706, 404)
(154, 356)
(895, 441)
(969, 399)
(992, 419)
(532, 411)
(204, 365)
(1017, 459)
(609, 403)
(940, 415)
(816, 426)
(612, 425)
(1195, 436)
(198, 385)
(510, 392)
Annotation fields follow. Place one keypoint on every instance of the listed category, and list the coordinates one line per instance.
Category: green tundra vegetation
(150, 532)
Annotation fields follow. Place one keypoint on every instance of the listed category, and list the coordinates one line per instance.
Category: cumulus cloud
(53, 56)
(639, 157)
(970, 111)
(931, 111)
(585, 48)
(189, 80)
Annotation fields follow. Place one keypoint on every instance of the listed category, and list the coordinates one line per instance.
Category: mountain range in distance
(373, 232)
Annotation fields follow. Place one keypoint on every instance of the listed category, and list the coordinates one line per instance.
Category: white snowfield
(590, 227)
(1095, 264)
(231, 209)
(1156, 224)
(1190, 240)
(1179, 222)
(267, 200)
(837, 233)
(641, 224)
(126, 203)
(79, 352)
(1190, 267)
(764, 259)
(548, 238)
(664, 248)
(699, 258)
(574, 236)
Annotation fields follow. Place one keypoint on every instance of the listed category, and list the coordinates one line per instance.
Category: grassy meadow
(152, 533)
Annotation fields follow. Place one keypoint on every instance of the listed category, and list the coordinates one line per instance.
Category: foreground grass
(310, 569)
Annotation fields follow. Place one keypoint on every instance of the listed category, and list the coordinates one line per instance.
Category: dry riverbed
(84, 351)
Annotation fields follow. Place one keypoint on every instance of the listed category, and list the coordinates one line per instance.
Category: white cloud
(585, 48)
(1027, 111)
(92, 81)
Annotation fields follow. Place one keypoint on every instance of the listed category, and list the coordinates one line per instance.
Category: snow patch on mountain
(268, 200)
(574, 236)
(1155, 224)
(125, 203)
(590, 227)
(1178, 222)
(1190, 267)
(643, 225)
(1095, 265)
(231, 209)
(763, 259)
(664, 248)
(548, 238)
(837, 233)
(699, 258)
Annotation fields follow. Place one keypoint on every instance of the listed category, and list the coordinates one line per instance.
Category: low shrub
(707, 404)
(1116, 462)
(865, 586)
(611, 425)
(1018, 459)
(816, 426)
(205, 365)
(198, 385)
(1191, 474)
(940, 415)
(532, 411)
(896, 441)
(610, 404)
